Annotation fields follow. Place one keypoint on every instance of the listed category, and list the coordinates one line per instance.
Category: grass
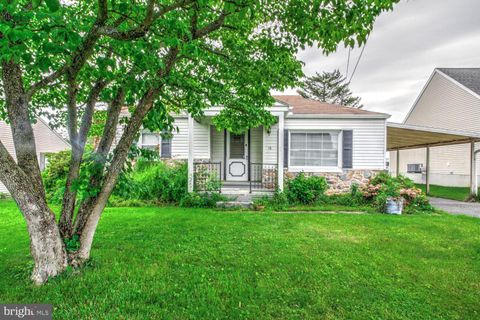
(173, 263)
(331, 207)
(453, 193)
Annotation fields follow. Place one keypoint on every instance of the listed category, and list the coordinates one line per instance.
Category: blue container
(394, 206)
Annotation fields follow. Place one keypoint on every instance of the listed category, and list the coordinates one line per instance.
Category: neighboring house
(46, 141)
(450, 100)
(344, 144)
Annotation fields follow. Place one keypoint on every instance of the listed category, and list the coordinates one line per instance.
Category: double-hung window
(155, 142)
(150, 141)
(314, 149)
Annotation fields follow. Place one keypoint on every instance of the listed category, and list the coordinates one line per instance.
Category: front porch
(250, 162)
(261, 179)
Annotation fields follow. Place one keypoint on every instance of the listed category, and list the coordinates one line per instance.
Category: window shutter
(166, 151)
(285, 149)
(347, 153)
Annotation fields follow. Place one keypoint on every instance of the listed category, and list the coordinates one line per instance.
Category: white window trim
(158, 146)
(337, 168)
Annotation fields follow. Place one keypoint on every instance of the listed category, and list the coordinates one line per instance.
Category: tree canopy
(329, 87)
(158, 57)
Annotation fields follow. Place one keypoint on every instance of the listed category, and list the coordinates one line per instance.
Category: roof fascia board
(440, 144)
(337, 116)
(466, 134)
(54, 132)
(420, 95)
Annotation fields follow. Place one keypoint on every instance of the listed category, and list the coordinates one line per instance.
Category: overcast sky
(405, 46)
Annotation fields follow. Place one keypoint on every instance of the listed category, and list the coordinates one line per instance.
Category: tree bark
(119, 156)
(22, 131)
(78, 149)
(46, 246)
(100, 157)
(98, 204)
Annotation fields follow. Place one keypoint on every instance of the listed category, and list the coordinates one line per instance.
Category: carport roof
(404, 136)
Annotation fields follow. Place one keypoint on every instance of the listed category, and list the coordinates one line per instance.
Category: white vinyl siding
(449, 165)
(218, 145)
(368, 140)
(270, 143)
(201, 140)
(46, 141)
(368, 137)
(443, 104)
(256, 144)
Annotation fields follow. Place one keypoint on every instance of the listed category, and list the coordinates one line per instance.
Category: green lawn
(174, 263)
(454, 193)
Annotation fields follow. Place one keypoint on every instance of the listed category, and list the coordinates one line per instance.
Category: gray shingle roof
(469, 77)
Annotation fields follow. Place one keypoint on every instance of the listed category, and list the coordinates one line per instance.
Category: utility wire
(348, 62)
(358, 61)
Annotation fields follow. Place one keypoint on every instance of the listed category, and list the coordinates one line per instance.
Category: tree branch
(142, 29)
(70, 195)
(45, 82)
(22, 130)
(80, 56)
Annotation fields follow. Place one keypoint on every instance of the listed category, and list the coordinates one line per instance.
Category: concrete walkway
(471, 209)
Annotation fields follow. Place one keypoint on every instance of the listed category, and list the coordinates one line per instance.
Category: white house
(46, 141)
(344, 144)
(450, 100)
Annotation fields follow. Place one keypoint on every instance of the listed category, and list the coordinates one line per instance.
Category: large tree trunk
(46, 245)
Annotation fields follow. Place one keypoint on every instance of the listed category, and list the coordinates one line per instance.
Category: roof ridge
(306, 106)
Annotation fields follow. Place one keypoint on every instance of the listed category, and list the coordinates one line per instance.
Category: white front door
(237, 157)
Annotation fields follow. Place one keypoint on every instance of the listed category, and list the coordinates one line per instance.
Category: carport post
(190, 153)
(397, 170)
(473, 170)
(427, 172)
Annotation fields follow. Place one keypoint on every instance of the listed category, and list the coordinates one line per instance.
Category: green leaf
(44, 63)
(53, 5)
(36, 3)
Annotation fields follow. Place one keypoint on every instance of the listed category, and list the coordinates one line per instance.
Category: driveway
(471, 209)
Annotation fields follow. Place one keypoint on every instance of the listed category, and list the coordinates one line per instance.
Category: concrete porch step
(234, 204)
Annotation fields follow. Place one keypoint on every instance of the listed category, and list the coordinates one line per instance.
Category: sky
(406, 45)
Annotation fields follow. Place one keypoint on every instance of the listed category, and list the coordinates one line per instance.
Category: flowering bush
(370, 191)
(383, 187)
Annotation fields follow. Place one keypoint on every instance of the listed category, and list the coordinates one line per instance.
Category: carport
(403, 136)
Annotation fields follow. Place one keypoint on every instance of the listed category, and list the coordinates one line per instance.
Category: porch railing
(263, 176)
(207, 176)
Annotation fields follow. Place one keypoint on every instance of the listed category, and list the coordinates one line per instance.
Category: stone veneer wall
(340, 182)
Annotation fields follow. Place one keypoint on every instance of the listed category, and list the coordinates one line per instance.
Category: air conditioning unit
(415, 168)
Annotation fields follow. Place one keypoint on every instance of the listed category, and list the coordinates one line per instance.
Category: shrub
(201, 200)
(4, 196)
(55, 174)
(154, 181)
(306, 190)
(148, 181)
(206, 180)
(383, 186)
(115, 201)
(278, 201)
